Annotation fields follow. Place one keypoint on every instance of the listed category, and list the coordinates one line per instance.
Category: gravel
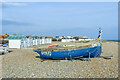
(24, 63)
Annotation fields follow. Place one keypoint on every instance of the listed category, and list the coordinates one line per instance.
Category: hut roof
(15, 37)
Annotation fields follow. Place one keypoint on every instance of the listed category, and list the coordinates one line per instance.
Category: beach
(24, 63)
(0, 67)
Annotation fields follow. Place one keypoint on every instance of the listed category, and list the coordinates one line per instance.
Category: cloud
(13, 22)
(6, 4)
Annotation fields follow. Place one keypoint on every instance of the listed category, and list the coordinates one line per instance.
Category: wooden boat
(70, 52)
(67, 53)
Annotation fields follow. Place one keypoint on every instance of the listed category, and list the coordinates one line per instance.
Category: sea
(112, 40)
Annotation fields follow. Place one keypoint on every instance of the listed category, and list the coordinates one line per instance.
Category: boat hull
(88, 52)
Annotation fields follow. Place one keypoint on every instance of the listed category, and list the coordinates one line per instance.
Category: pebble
(22, 63)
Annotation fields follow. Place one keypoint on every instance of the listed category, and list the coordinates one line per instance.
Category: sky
(61, 18)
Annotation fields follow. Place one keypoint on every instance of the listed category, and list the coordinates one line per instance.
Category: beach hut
(38, 41)
(34, 40)
(69, 37)
(89, 39)
(16, 41)
(63, 40)
(85, 39)
(29, 41)
(43, 40)
(68, 40)
(81, 39)
(73, 40)
(24, 44)
(48, 40)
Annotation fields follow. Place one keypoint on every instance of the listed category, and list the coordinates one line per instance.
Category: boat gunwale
(64, 50)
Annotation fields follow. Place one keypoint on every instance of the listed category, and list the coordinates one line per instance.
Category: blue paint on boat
(88, 52)
(80, 53)
(5, 44)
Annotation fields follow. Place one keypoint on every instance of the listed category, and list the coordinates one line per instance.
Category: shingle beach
(24, 63)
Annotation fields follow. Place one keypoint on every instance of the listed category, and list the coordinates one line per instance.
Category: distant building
(45, 40)
(57, 37)
(35, 40)
(60, 37)
(85, 39)
(69, 37)
(51, 37)
(1, 37)
(48, 40)
(29, 41)
(6, 36)
(68, 40)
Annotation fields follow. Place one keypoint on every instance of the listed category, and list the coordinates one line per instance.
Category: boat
(71, 52)
(3, 48)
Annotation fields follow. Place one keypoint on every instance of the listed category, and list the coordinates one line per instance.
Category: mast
(99, 37)
(100, 32)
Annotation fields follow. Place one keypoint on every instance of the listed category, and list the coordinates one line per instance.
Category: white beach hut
(38, 41)
(29, 41)
(43, 41)
(34, 41)
(73, 40)
(81, 39)
(48, 40)
(24, 44)
(63, 40)
(16, 41)
(68, 40)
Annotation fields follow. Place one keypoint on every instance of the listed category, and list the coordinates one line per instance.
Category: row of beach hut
(86, 39)
(68, 40)
(20, 41)
(73, 40)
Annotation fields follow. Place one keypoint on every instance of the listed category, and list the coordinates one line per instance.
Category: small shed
(36, 40)
(43, 40)
(68, 40)
(16, 41)
(40, 41)
(81, 39)
(48, 40)
(29, 41)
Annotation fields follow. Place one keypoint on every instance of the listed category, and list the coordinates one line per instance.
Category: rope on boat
(98, 52)
(99, 39)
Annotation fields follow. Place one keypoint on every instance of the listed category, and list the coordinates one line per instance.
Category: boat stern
(37, 51)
